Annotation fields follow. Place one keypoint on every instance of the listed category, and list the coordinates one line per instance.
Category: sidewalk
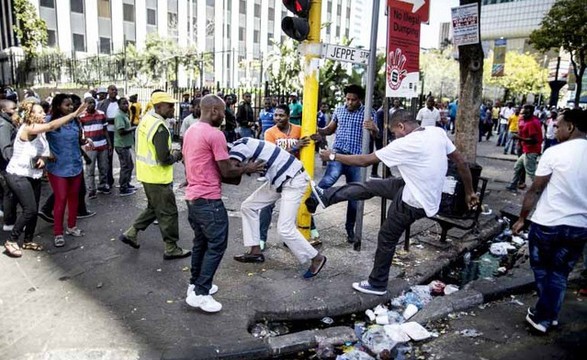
(98, 298)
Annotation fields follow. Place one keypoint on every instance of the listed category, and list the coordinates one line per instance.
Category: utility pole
(310, 97)
(371, 71)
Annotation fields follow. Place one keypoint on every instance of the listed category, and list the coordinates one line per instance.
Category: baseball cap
(293, 94)
(101, 90)
(162, 97)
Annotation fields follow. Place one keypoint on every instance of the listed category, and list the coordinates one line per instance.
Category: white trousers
(291, 196)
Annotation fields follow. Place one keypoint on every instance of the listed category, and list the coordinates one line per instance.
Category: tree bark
(470, 97)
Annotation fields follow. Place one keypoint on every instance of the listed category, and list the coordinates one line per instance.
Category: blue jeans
(209, 220)
(510, 144)
(503, 135)
(265, 220)
(335, 170)
(554, 251)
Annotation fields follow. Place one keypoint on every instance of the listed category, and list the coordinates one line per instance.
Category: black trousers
(28, 192)
(399, 216)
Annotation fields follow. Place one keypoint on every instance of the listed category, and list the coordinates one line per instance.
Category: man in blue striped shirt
(347, 123)
(286, 180)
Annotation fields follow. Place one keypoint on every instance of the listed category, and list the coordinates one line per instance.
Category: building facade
(238, 34)
(513, 20)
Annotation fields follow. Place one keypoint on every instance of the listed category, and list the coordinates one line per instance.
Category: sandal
(59, 241)
(31, 245)
(12, 249)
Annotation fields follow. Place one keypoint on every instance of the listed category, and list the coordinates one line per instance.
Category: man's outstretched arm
(351, 160)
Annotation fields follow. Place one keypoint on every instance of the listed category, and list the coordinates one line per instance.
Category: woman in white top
(24, 172)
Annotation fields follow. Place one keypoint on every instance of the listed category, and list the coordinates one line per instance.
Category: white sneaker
(74, 231)
(204, 302)
(8, 227)
(213, 289)
(261, 179)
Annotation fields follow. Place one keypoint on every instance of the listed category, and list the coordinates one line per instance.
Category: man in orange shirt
(288, 137)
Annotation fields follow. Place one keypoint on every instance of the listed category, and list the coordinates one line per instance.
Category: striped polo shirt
(281, 165)
(93, 125)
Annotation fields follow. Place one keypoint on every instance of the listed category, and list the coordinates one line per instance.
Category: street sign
(403, 46)
(465, 24)
(345, 53)
(420, 8)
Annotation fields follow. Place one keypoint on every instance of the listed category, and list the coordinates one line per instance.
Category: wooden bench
(466, 221)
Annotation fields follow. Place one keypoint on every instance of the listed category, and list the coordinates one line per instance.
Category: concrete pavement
(98, 298)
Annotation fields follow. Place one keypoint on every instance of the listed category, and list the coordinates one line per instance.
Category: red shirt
(531, 129)
(203, 147)
(93, 125)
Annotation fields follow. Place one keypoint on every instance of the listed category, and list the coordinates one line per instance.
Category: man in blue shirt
(347, 123)
(266, 116)
(452, 113)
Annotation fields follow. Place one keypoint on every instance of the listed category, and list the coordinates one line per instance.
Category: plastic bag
(377, 340)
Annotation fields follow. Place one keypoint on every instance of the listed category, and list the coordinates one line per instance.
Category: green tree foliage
(565, 26)
(30, 29)
(441, 73)
(285, 66)
(523, 75)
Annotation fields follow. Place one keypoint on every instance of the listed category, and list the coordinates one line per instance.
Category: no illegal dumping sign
(403, 46)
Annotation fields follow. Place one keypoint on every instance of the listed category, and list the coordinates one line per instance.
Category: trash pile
(386, 331)
(505, 246)
(263, 330)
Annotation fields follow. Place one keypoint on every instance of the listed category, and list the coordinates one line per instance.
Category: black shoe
(92, 195)
(104, 190)
(127, 192)
(86, 215)
(250, 258)
(178, 254)
(47, 217)
(128, 241)
(132, 187)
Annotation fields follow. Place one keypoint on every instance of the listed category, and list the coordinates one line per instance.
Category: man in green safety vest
(154, 164)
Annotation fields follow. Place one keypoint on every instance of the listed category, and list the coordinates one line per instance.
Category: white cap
(87, 95)
(102, 90)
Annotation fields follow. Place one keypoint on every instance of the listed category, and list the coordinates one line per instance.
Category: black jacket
(7, 136)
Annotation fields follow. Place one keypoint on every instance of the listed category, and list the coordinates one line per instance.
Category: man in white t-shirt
(420, 154)
(558, 231)
(429, 115)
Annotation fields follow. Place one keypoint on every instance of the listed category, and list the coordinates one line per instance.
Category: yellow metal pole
(310, 108)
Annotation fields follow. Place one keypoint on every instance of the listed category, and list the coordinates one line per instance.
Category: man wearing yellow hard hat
(154, 164)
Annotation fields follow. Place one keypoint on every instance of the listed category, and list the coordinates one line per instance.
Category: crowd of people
(218, 145)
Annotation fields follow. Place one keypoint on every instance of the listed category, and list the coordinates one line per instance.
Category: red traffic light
(298, 7)
(296, 28)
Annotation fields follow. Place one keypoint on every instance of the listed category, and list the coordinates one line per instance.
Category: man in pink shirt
(207, 162)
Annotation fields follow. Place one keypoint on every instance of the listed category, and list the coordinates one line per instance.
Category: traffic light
(298, 27)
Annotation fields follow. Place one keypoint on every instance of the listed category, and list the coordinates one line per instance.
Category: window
(104, 45)
(151, 17)
(128, 12)
(271, 14)
(242, 7)
(104, 8)
(257, 10)
(48, 3)
(51, 38)
(338, 9)
(256, 36)
(79, 42)
(241, 33)
(329, 7)
(210, 2)
(77, 6)
(338, 31)
(129, 42)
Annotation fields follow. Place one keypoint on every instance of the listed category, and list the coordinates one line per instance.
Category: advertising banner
(498, 67)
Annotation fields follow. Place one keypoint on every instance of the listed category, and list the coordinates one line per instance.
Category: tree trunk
(471, 80)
